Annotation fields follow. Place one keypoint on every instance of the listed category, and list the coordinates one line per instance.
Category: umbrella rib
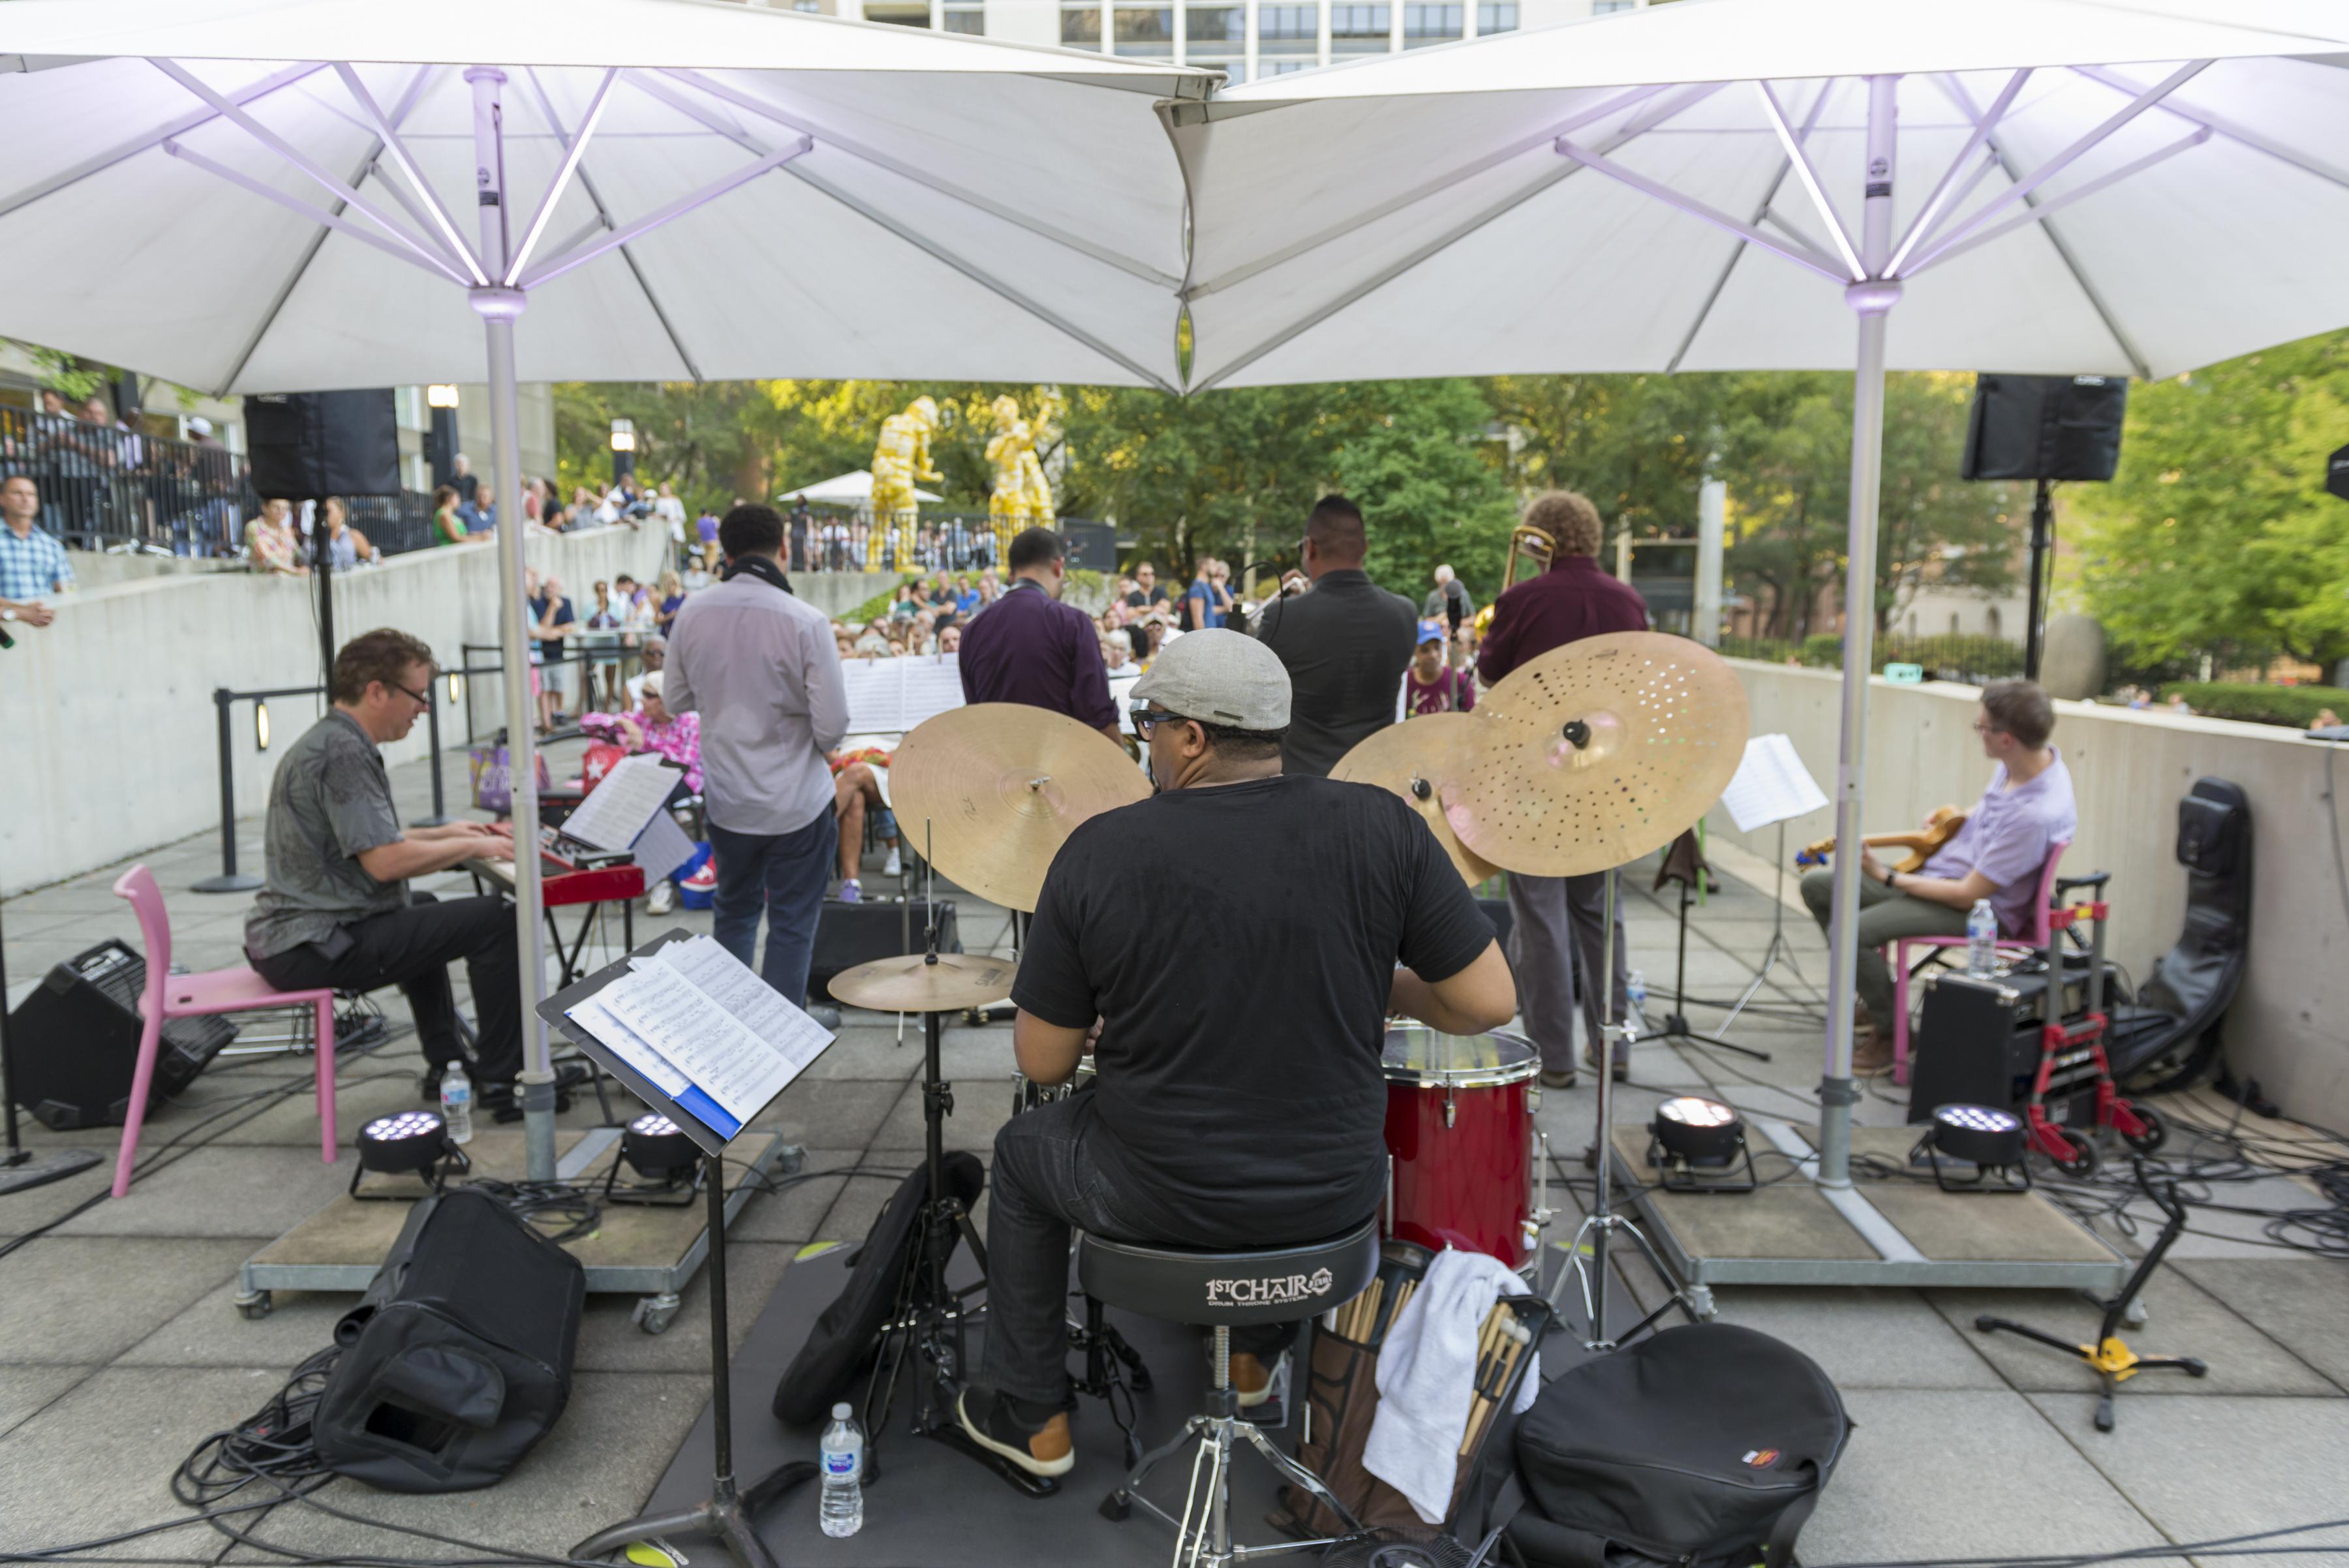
(149, 140)
(1801, 163)
(301, 269)
(1444, 241)
(574, 150)
(2039, 212)
(918, 175)
(1737, 253)
(1800, 255)
(1450, 179)
(318, 215)
(1945, 196)
(1956, 94)
(434, 214)
(660, 217)
(605, 221)
(2233, 130)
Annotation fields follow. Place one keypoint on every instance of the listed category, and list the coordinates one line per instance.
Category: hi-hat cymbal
(1001, 785)
(1413, 759)
(1596, 752)
(912, 983)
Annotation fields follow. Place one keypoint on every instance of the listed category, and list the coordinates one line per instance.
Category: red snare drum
(1460, 1136)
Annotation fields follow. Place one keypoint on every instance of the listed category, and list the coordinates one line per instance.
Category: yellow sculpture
(900, 459)
(1021, 497)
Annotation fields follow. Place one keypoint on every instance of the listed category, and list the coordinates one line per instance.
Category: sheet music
(751, 1002)
(630, 1046)
(1771, 785)
(737, 1068)
(616, 814)
(662, 847)
(890, 696)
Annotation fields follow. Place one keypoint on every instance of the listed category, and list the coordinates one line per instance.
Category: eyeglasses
(1147, 717)
(422, 699)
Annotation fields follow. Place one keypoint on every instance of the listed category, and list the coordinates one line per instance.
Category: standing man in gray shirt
(759, 665)
(1345, 642)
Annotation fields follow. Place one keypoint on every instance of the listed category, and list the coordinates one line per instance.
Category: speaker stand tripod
(20, 1168)
(1779, 947)
(1602, 1224)
(725, 1514)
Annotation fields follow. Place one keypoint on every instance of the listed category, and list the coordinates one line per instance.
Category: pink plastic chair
(2024, 944)
(169, 996)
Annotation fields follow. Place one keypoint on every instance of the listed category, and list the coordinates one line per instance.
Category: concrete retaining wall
(2290, 1025)
(107, 723)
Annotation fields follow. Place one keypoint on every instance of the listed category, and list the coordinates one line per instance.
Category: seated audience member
(950, 640)
(1430, 686)
(345, 546)
(856, 796)
(270, 540)
(336, 911)
(651, 727)
(1998, 854)
(2326, 719)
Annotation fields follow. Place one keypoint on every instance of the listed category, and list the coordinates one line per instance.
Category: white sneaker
(893, 866)
(850, 891)
(661, 899)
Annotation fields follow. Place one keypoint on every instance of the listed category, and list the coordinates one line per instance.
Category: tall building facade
(1246, 39)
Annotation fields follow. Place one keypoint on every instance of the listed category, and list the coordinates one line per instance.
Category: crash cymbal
(1596, 752)
(1412, 759)
(912, 983)
(998, 787)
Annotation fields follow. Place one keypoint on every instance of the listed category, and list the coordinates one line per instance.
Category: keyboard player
(336, 909)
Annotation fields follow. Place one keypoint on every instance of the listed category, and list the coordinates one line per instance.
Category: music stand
(1771, 787)
(1676, 1030)
(725, 1514)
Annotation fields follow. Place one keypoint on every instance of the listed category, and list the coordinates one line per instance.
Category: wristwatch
(7, 615)
(1888, 874)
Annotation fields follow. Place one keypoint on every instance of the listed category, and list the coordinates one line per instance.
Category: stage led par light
(1985, 1137)
(411, 1142)
(1697, 1145)
(663, 1154)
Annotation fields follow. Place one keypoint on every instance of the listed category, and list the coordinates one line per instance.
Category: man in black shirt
(1239, 1100)
(1345, 643)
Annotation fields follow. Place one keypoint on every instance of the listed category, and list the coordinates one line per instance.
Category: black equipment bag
(458, 1358)
(1703, 1444)
(847, 1332)
(2194, 984)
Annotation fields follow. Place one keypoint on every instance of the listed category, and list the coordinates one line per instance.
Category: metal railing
(112, 489)
(940, 542)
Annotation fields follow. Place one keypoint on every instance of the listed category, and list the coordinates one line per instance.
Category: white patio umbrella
(274, 195)
(2062, 186)
(853, 488)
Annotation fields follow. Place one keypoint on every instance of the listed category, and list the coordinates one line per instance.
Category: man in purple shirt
(1031, 648)
(1998, 854)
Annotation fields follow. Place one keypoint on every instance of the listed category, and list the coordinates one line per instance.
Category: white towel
(1426, 1378)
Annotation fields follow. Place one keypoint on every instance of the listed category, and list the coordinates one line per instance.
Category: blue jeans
(785, 873)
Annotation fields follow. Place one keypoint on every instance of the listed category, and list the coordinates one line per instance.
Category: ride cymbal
(1413, 759)
(1596, 752)
(912, 983)
(1000, 786)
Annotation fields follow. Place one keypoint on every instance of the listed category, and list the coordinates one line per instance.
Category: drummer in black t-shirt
(1239, 1100)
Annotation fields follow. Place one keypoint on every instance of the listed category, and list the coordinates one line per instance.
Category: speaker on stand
(306, 446)
(2043, 427)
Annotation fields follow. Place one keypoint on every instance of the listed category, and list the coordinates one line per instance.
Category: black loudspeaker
(2045, 427)
(308, 446)
(73, 1043)
(847, 935)
(457, 1359)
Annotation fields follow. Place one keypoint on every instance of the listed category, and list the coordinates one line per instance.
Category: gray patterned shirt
(329, 800)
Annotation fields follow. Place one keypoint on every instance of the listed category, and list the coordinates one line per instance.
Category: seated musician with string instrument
(1996, 852)
(1239, 1100)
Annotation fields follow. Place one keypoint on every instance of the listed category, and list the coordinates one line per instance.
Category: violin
(1920, 842)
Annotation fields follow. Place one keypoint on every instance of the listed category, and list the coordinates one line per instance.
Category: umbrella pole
(1871, 298)
(498, 307)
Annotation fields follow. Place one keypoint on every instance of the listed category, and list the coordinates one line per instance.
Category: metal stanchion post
(230, 880)
(433, 738)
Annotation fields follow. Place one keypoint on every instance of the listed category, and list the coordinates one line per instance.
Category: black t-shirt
(552, 648)
(1240, 1098)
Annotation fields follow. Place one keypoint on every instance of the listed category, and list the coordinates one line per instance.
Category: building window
(1281, 67)
(1609, 7)
(1147, 30)
(1081, 27)
(814, 8)
(971, 19)
(1204, 26)
(898, 15)
(1360, 29)
(1288, 29)
(1493, 17)
(1424, 25)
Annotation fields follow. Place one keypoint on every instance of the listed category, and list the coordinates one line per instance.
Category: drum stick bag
(1705, 1446)
(845, 1332)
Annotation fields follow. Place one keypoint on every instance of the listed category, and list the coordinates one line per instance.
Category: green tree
(2216, 535)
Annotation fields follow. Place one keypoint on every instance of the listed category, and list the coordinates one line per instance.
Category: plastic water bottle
(841, 1452)
(1635, 997)
(1982, 940)
(457, 1103)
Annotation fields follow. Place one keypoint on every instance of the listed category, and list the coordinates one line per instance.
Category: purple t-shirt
(2006, 838)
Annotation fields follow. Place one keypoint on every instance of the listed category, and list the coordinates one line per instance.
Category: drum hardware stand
(20, 1168)
(1779, 947)
(1602, 1223)
(725, 1514)
(1676, 1030)
(929, 1316)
